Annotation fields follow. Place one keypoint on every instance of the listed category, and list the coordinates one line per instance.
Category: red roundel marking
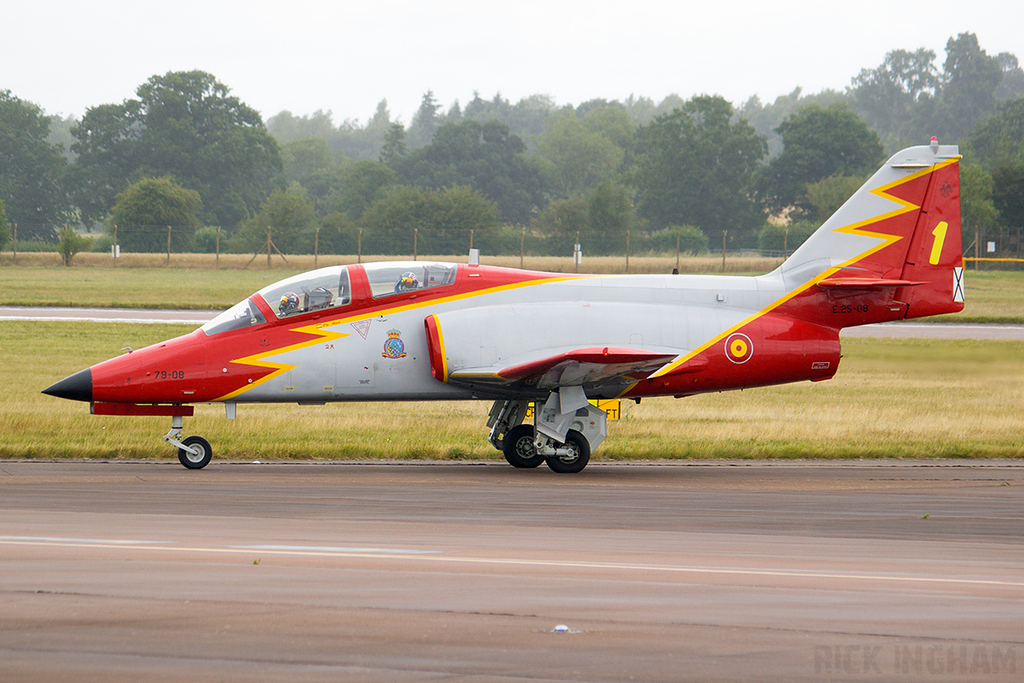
(739, 348)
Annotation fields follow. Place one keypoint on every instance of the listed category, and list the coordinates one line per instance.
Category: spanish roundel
(739, 348)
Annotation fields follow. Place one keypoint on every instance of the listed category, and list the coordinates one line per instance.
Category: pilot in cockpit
(406, 283)
(289, 304)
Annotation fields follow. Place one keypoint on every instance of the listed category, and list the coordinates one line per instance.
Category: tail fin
(935, 254)
(897, 236)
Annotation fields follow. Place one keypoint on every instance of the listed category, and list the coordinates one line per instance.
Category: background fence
(144, 245)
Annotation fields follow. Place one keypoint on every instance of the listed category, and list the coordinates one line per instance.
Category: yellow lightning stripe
(320, 335)
(448, 299)
(468, 295)
(324, 336)
(905, 207)
(853, 229)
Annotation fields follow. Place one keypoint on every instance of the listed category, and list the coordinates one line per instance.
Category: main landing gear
(194, 452)
(564, 437)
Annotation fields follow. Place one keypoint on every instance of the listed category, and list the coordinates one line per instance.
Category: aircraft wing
(499, 348)
(591, 367)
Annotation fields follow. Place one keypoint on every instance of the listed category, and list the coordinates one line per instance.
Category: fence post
(627, 251)
(15, 247)
(724, 233)
(168, 245)
(471, 239)
(977, 241)
(268, 247)
(316, 246)
(522, 242)
(677, 251)
(415, 235)
(785, 244)
(359, 247)
(113, 249)
(576, 251)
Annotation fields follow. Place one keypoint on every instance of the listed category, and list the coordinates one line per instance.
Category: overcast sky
(304, 55)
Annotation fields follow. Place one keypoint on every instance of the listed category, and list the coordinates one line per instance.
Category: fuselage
(375, 347)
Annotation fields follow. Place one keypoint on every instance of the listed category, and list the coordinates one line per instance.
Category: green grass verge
(156, 288)
(992, 296)
(891, 398)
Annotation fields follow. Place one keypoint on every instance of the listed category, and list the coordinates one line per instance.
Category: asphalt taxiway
(811, 571)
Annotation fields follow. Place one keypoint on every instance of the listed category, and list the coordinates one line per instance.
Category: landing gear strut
(194, 452)
(564, 440)
(510, 436)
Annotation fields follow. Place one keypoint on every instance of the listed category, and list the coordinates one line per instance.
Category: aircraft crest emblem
(394, 347)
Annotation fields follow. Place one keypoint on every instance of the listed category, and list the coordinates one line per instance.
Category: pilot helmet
(289, 302)
(408, 281)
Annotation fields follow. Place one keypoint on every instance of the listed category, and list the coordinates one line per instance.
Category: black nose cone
(77, 387)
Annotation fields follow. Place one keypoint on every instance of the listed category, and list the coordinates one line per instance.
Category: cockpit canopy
(400, 277)
(316, 290)
(331, 287)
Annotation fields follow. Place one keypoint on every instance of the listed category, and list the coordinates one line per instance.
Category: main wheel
(576, 459)
(198, 460)
(518, 448)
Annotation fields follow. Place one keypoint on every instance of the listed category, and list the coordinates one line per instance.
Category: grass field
(992, 296)
(891, 398)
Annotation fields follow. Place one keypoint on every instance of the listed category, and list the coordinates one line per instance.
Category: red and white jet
(415, 331)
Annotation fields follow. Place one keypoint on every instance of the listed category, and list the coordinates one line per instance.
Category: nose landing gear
(194, 452)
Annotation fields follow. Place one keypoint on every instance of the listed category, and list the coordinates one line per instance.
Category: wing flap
(610, 358)
(586, 366)
(863, 283)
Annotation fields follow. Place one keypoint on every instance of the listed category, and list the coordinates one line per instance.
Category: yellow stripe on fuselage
(281, 368)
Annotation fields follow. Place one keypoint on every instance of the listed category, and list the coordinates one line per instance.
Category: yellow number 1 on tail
(940, 237)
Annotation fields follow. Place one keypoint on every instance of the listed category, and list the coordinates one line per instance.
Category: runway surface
(910, 571)
(105, 315)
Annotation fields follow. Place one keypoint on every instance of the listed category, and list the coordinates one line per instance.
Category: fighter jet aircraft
(416, 331)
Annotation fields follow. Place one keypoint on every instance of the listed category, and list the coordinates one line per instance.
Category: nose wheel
(194, 452)
(199, 454)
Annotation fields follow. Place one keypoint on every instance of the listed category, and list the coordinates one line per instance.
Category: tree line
(187, 153)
